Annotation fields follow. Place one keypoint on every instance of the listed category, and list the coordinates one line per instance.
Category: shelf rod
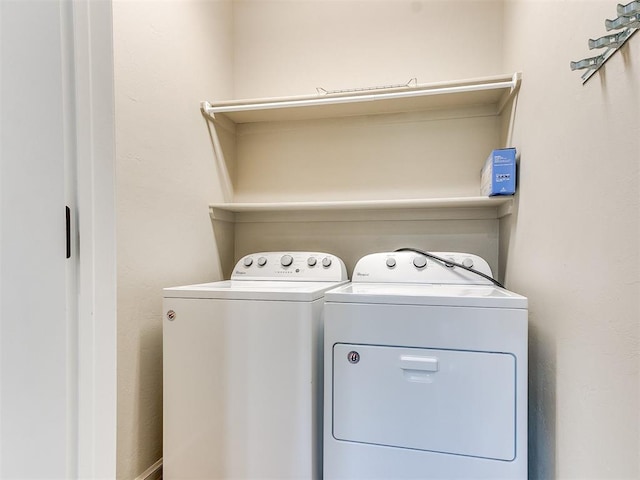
(211, 110)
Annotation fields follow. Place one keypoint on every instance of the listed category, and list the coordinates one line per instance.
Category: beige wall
(290, 47)
(574, 242)
(584, 305)
(169, 56)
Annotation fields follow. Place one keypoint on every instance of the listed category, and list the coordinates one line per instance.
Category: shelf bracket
(222, 215)
(624, 21)
(515, 86)
(629, 9)
(591, 62)
(612, 41)
(227, 183)
(628, 21)
(207, 111)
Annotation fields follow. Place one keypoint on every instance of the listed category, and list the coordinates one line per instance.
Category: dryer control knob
(450, 265)
(286, 260)
(312, 261)
(391, 262)
(326, 262)
(467, 262)
(262, 261)
(248, 262)
(420, 262)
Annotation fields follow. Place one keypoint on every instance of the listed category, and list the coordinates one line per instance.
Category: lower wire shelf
(400, 209)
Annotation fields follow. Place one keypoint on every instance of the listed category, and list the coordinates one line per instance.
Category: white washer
(243, 370)
(425, 372)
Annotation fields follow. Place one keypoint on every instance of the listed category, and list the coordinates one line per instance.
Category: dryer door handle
(411, 362)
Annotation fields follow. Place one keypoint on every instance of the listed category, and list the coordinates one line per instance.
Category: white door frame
(97, 352)
(58, 414)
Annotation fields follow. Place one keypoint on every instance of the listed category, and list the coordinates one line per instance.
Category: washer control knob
(467, 262)
(262, 261)
(286, 260)
(450, 265)
(312, 261)
(420, 262)
(391, 262)
(248, 261)
(326, 262)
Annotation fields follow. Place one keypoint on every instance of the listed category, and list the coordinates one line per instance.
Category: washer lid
(293, 291)
(427, 294)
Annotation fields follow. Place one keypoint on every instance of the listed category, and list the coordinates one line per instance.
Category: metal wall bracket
(612, 41)
(628, 21)
(592, 62)
(629, 9)
(632, 21)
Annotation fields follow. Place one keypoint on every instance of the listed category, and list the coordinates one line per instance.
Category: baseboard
(154, 472)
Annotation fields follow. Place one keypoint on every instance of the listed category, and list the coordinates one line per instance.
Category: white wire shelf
(425, 208)
(496, 91)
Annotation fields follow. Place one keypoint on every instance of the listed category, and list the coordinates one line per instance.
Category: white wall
(574, 243)
(584, 305)
(169, 56)
(290, 47)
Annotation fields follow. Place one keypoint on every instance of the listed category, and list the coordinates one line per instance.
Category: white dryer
(243, 370)
(425, 372)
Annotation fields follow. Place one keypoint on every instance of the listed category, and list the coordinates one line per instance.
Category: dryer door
(447, 401)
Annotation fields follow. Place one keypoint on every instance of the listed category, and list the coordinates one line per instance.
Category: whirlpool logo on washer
(353, 356)
(238, 272)
(361, 274)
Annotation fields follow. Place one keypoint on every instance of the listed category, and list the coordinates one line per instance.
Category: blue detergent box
(498, 176)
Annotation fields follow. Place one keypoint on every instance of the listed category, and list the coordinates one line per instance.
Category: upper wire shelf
(407, 97)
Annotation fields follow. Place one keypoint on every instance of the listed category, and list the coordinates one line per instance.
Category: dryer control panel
(290, 266)
(410, 267)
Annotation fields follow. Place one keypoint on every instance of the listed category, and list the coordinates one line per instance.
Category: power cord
(450, 262)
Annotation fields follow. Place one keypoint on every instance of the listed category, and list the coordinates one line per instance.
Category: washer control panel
(292, 266)
(410, 267)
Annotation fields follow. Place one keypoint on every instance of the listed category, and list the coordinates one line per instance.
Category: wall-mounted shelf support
(632, 21)
(629, 20)
(612, 41)
(629, 9)
(587, 63)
